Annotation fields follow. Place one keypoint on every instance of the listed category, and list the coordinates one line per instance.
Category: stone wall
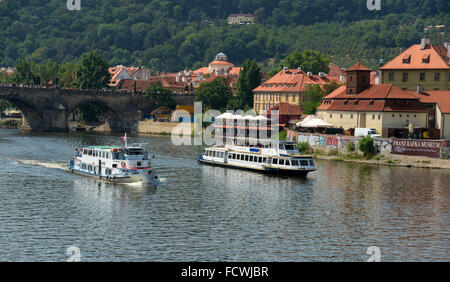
(155, 127)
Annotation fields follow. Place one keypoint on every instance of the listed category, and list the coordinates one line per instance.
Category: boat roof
(102, 147)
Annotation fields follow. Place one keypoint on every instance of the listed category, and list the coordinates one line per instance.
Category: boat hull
(267, 170)
(145, 178)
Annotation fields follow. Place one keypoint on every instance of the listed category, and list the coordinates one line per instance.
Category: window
(294, 162)
(426, 59)
(405, 77)
(391, 76)
(304, 163)
(274, 161)
(242, 157)
(288, 163)
(422, 76)
(379, 117)
(246, 158)
(407, 59)
(331, 115)
(281, 162)
(437, 76)
(251, 159)
(351, 116)
(373, 116)
(341, 116)
(393, 115)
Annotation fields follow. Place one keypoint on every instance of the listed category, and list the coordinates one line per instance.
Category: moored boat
(114, 163)
(269, 156)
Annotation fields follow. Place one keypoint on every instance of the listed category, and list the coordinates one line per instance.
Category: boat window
(281, 146)
(114, 165)
(288, 163)
(290, 147)
(260, 159)
(304, 163)
(275, 161)
(107, 155)
(281, 162)
(246, 158)
(251, 158)
(242, 157)
(311, 163)
(230, 155)
(294, 162)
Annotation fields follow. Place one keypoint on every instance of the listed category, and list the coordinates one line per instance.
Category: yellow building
(421, 66)
(286, 87)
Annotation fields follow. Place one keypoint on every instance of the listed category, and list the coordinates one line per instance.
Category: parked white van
(363, 132)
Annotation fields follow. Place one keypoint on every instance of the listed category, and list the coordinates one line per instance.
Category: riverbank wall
(386, 146)
(163, 128)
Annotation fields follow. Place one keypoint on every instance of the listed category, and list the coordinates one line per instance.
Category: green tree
(313, 95)
(48, 72)
(66, 75)
(24, 72)
(214, 94)
(92, 72)
(249, 79)
(159, 95)
(308, 60)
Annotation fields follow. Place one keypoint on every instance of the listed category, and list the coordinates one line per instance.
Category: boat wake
(53, 165)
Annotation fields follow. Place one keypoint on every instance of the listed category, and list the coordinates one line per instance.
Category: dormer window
(426, 59)
(407, 59)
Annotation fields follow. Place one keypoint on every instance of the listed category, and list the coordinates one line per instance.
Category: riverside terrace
(49, 109)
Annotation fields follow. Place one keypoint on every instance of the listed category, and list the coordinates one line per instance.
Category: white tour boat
(115, 164)
(270, 157)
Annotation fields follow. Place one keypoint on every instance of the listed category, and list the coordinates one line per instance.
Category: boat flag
(124, 139)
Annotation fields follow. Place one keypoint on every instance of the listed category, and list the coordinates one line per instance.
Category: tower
(358, 79)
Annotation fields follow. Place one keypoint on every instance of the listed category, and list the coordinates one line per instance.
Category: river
(202, 213)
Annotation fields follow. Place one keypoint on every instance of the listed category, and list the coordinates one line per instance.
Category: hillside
(175, 35)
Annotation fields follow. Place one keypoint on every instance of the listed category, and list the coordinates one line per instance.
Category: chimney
(424, 42)
(420, 89)
(447, 46)
(285, 69)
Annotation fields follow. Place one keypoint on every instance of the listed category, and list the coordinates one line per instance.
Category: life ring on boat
(123, 164)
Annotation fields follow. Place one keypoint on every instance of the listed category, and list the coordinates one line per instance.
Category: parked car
(363, 132)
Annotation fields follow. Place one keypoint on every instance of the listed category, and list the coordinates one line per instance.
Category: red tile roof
(359, 66)
(221, 63)
(286, 109)
(437, 58)
(292, 81)
(377, 98)
(439, 97)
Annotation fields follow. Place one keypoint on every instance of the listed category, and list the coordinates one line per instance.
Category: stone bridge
(49, 109)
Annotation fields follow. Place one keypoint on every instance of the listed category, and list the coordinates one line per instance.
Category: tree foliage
(249, 79)
(92, 72)
(313, 95)
(172, 35)
(159, 95)
(214, 95)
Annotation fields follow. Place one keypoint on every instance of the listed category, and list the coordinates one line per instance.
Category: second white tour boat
(270, 156)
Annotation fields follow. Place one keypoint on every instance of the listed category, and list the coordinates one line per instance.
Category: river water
(202, 213)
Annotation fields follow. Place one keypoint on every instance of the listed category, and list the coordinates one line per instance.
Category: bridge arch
(100, 114)
(31, 118)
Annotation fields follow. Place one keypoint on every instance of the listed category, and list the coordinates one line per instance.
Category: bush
(282, 136)
(366, 145)
(351, 147)
(304, 147)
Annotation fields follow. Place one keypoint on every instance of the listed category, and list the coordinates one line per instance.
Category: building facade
(286, 87)
(422, 66)
(241, 19)
(364, 105)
